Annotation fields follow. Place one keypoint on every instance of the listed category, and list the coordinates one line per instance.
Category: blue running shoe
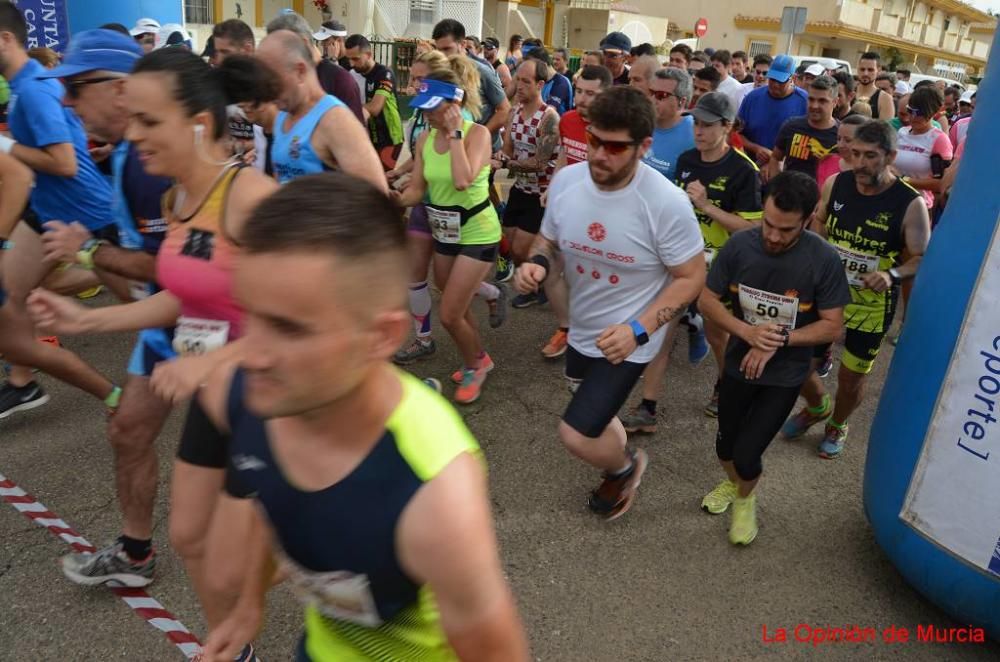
(833, 442)
(697, 347)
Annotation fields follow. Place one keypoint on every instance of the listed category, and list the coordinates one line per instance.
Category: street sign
(701, 28)
(793, 22)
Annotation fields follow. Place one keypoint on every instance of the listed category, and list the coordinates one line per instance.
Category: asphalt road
(662, 583)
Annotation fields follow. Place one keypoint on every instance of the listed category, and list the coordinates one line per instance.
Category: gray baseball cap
(714, 107)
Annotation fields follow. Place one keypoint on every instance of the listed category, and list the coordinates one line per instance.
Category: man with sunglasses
(757, 77)
(671, 90)
(764, 110)
(48, 138)
(491, 53)
(615, 47)
(633, 261)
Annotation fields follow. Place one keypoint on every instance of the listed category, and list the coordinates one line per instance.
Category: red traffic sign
(701, 27)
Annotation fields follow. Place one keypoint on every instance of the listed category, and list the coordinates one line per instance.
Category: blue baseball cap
(97, 50)
(781, 69)
(433, 92)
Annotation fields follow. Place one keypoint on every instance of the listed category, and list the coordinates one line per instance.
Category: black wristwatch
(457, 134)
(641, 337)
(786, 336)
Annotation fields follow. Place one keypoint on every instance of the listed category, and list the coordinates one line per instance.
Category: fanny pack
(464, 213)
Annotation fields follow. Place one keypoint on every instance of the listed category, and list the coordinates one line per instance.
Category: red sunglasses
(612, 147)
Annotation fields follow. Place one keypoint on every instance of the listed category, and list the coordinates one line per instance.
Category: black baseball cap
(617, 41)
(714, 107)
(491, 42)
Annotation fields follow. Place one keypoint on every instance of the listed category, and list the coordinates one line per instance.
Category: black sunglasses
(73, 86)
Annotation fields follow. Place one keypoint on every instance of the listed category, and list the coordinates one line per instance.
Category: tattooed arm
(546, 147)
(686, 283)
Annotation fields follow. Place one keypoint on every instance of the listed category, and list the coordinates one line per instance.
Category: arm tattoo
(545, 149)
(665, 315)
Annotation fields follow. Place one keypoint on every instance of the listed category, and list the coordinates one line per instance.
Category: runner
(50, 140)
(845, 140)
(923, 150)
(788, 293)
(703, 81)
(182, 138)
(234, 37)
(384, 124)
(724, 187)
(592, 80)
(491, 53)
(761, 65)
(529, 152)
(557, 91)
(16, 182)
(314, 131)
(808, 144)
(869, 67)
(451, 166)
(740, 68)
(633, 257)
(870, 216)
(680, 57)
(640, 76)
(671, 90)
(730, 85)
(845, 94)
(560, 62)
(614, 47)
(144, 32)
(765, 110)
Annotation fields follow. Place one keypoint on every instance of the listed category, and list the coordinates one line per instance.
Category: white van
(948, 82)
(829, 63)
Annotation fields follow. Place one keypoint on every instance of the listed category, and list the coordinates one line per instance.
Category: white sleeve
(678, 236)
(260, 147)
(550, 226)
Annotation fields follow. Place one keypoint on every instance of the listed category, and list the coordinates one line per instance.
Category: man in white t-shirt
(732, 88)
(633, 260)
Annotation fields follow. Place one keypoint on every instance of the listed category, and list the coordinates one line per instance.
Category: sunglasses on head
(612, 147)
(660, 95)
(73, 86)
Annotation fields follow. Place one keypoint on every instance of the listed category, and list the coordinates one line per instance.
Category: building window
(198, 11)
(757, 47)
(422, 11)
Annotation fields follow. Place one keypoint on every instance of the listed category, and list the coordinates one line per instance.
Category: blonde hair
(862, 108)
(424, 46)
(48, 57)
(458, 70)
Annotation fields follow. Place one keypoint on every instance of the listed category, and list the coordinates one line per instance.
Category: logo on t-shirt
(685, 174)
(837, 206)
(597, 232)
(803, 146)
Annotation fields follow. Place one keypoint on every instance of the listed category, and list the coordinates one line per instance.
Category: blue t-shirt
(558, 93)
(138, 195)
(762, 115)
(668, 144)
(37, 118)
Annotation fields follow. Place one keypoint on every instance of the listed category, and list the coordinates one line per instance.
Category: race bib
(446, 226)
(195, 336)
(762, 307)
(709, 256)
(341, 595)
(856, 265)
(138, 290)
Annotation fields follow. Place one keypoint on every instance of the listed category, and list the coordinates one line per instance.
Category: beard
(613, 178)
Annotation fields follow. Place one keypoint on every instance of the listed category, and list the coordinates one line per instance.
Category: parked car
(832, 64)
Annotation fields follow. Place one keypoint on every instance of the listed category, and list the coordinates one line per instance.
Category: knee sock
(488, 291)
(136, 549)
(420, 308)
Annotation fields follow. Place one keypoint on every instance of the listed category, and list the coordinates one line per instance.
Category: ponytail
(194, 84)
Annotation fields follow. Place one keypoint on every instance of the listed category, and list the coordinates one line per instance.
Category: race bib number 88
(763, 307)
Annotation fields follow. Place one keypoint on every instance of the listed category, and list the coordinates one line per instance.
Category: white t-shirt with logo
(617, 247)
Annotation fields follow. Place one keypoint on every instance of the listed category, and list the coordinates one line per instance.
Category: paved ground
(660, 584)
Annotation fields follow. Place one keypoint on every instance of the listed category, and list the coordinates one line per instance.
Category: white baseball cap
(816, 69)
(902, 87)
(967, 97)
(145, 26)
(172, 34)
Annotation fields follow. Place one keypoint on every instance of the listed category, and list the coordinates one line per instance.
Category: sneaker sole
(714, 512)
(744, 543)
(642, 461)
(116, 579)
(640, 429)
(533, 302)
(830, 456)
(27, 406)
(555, 355)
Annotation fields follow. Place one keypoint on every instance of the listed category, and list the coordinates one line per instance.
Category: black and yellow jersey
(867, 231)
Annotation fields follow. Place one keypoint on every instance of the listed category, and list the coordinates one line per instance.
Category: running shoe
(833, 442)
(110, 565)
(20, 398)
(743, 528)
(90, 293)
(697, 347)
(472, 385)
(504, 269)
(827, 365)
(498, 307)
(433, 383)
(525, 300)
(485, 363)
(640, 421)
(712, 408)
(416, 350)
(717, 501)
(556, 346)
(797, 425)
(616, 494)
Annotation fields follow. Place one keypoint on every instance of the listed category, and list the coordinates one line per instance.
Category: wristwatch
(6, 244)
(85, 256)
(457, 134)
(641, 337)
(785, 336)
(894, 276)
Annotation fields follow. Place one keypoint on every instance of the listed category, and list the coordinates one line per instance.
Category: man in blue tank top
(314, 131)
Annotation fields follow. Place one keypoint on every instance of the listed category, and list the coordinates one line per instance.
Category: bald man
(314, 131)
(641, 73)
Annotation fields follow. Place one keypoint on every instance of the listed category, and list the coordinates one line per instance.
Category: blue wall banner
(47, 23)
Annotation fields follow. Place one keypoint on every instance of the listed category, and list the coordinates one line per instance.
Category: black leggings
(749, 417)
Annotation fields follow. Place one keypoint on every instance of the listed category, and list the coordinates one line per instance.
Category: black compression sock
(648, 405)
(137, 550)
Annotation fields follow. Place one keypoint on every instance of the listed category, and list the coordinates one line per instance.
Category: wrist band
(6, 144)
(541, 261)
(6, 244)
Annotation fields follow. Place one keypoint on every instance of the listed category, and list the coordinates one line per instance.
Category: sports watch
(457, 134)
(85, 256)
(641, 337)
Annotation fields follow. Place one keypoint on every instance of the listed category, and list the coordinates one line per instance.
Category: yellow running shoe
(717, 501)
(743, 528)
(91, 293)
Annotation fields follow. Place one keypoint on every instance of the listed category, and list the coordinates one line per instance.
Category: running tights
(749, 417)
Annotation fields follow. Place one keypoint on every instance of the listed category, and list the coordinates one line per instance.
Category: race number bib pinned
(856, 265)
(341, 595)
(194, 336)
(763, 307)
(446, 226)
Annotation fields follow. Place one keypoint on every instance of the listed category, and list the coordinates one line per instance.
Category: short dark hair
(684, 50)
(248, 82)
(643, 49)
(855, 120)
(623, 107)
(540, 54)
(845, 79)
(234, 30)
(741, 55)
(723, 56)
(925, 83)
(953, 92)
(449, 27)
(117, 27)
(825, 83)
(927, 100)
(871, 55)
(793, 191)
(880, 134)
(322, 227)
(886, 75)
(514, 38)
(762, 58)
(475, 40)
(360, 42)
(597, 72)
(12, 20)
(701, 57)
(902, 72)
(561, 51)
(709, 74)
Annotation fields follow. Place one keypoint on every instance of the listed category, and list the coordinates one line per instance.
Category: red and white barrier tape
(147, 607)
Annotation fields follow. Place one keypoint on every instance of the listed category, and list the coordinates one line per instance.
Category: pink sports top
(197, 258)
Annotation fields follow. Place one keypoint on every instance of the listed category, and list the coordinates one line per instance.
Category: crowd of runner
(770, 211)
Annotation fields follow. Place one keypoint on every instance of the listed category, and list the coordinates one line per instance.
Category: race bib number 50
(763, 307)
(195, 336)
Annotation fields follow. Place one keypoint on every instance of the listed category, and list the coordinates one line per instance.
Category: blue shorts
(154, 346)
